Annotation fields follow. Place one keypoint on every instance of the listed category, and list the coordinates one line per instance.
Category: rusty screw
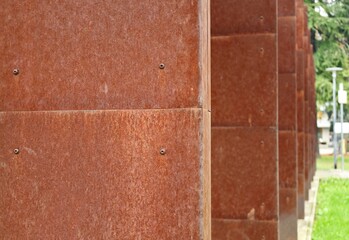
(162, 151)
(162, 66)
(16, 151)
(15, 71)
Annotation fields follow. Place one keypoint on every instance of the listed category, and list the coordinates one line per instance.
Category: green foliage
(329, 23)
(332, 210)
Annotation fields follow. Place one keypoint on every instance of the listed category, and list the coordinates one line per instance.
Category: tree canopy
(329, 23)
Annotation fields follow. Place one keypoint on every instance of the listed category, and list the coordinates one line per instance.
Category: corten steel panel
(300, 167)
(244, 230)
(244, 173)
(299, 3)
(287, 44)
(300, 70)
(102, 54)
(244, 80)
(286, 8)
(288, 214)
(300, 28)
(236, 17)
(100, 174)
(301, 196)
(287, 107)
(287, 159)
(305, 11)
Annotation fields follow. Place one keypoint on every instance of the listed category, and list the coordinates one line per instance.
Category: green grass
(326, 162)
(332, 210)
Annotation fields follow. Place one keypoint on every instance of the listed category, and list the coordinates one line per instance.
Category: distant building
(323, 125)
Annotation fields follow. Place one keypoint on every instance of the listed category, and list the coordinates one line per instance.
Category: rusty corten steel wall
(306, 108)
(110, 118)
(244, 119)
(300, 106)
(287, 114)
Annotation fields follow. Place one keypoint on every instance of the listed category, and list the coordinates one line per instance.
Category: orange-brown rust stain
(244, 173)
(244, 230)
(236, 17)
(76, 55)
(100, 174)
(244, 80)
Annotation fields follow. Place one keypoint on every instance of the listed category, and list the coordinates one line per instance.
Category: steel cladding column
(244, 120)
(287, 119)
(300, 107)
(104, 122)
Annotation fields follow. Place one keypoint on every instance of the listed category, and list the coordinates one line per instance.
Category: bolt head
(15, 71)
(162, 151)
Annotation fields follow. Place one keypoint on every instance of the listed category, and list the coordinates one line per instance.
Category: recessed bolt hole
(162, 151)
(261, 50)
(15, 71)
(162, 66)
(16, 151)
(261, 18)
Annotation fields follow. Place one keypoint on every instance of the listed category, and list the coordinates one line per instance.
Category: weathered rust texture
(243, 80)
(241, 17)
(287, 159)
(300, 166)
(96, 175)
(300, 22)
(287, 120)
(127, 173)
(102, 55)
(244, 229)
(244, 119)
(287, 44)
(286, 8)
(288, 214)
(287, 101)
(241, 189)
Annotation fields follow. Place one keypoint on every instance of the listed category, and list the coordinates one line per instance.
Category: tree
(329, 23)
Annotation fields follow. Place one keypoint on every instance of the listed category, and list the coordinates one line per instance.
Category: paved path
(305, 225)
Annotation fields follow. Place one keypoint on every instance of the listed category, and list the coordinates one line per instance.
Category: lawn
(332, 210)
(326, 162)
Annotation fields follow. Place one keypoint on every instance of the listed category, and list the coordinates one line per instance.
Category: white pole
(334, 75)
(334, 120)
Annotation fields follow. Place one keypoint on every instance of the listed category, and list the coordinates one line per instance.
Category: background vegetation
(329, 23)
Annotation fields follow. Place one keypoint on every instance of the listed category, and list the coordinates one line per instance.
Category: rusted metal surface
(300, 28)
(287, 44)
(287, 101)
(287, 159)
(288, 214)
(236, 17)
(103, 55)
(244, 229)
(125, 174)
(94, 175)
(286, 8)
(287, 120)
(244, 119)
(300, 165)
(241, 189)
(244, 80)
